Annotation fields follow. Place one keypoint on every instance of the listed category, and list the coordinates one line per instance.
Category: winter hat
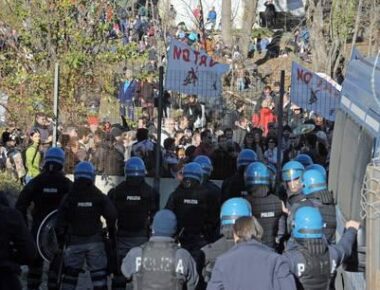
(164, 223)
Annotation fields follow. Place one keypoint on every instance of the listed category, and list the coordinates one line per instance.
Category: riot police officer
(79, 224)
(16, 245)
(312, 261)
(291, 176)
(232, 209)
(212, 189)
(194, 211)
(304, 159)
(266, 207)
(234, 185)
(315, 193)
(45, 192)
(161, 263)
(318, 167)
(136, 203)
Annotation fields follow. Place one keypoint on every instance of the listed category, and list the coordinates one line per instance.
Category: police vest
(134, 205)
(84, 212)
(267, 210)
(158, 267)
(328, 213)
(315, 274)
(48, 192)
(325, 202)
(191, 209)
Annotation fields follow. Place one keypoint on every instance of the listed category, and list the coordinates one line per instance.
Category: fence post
(56, 103)
(280, 124)
(159, 124)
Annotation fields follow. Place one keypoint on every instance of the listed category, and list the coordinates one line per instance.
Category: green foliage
(10, 186)
(343, 18)
(54, 31)
(261, 31)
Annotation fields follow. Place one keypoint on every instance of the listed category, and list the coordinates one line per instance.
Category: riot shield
(47, 242)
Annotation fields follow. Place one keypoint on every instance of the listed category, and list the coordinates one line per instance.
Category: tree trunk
(357, 22)
(318, 42)
(226, 22)
(249, 19)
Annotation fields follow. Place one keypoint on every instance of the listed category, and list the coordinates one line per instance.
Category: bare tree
(226, 22)
(357, 23)
(374, 27)
(315, 22)
(249, 17)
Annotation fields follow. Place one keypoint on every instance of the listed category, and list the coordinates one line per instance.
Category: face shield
(294, 185)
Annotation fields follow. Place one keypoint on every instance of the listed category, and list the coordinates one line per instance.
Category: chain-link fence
(370, 193)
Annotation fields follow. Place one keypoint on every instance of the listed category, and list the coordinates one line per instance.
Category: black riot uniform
(234, 186)
(267, 208)
(324, 200)
(45, 192)
(194, 213)
(196, 221)
(313, 262)
(16, 246)
(79, 220)
(214, 194)
(136, 203)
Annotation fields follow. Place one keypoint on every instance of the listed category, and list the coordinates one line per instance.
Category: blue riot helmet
(234, 208)
(273, 174)
(291, 174)
(134, 167)
(307, 223)
(55, 156)
(245, 157)
(85, 170)
(192, 174)
(313, 181)
(257, 174)
(304, 159)
(205, 163)
(292, 170)
(318, 167)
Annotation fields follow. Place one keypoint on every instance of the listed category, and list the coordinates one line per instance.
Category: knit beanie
(164, 223)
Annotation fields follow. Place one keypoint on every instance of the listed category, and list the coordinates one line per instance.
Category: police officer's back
(161, 263)
(315, 193)
(312, 261)
(250, 264)
(191, 205)
(213, 192)
(16, 246)
(266, 207)
(136, 203)
(45, 192)
(79, 224)
(234, 185)
(232, 209)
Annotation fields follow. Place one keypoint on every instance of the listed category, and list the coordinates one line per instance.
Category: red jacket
(263, 118)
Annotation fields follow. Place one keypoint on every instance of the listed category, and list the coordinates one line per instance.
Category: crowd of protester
(183, 137)
(231, 237)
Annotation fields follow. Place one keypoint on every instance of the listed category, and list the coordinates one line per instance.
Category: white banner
(193, 72)
(314, 92)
